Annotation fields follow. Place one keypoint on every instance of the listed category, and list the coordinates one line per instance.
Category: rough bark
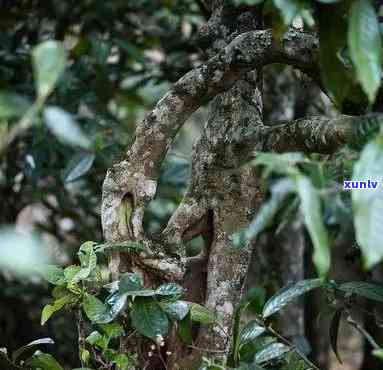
(225, 199)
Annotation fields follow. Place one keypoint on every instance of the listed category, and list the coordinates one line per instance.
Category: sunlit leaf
(49, 60)
(57, 305)
(30, 346)
(313, 218)
(365, 44)
(288, 294)
(251, 331)
(177, 310)
(202, 314)
(78, 166)
(271, 352)
(63, 126)
(367, 204)
(44, 361)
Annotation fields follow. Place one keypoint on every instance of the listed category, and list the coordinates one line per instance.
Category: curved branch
(317, 134)
(138, 174)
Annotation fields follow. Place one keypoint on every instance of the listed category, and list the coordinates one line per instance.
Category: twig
(361, 330)
(206, 349)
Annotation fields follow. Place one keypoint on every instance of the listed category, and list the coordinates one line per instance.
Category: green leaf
(269, 209)
(97, 340)
(177, 310)
(288, 294)
(95, 310)
(184, 330)
(70, 272)
(364, 41)
(251, 331)
(78, 166)
(57, 305)
(53, 274)
(125, 246)
(148, 318)
(334, 329)
(272, 351)
(332, 40)
(367, 204)
(44, 361)
(169, 289)
(23, 350)
(12, 105)
(313, 218)
(201, 314)
(112, 330)
(122, 362)
(365, 289)
(49, 59)
(65, 128)
(132, 285)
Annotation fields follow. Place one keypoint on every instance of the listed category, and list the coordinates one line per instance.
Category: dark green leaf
(334, 329)
(364, 41)
(184, 330)
(95, 310)
(251, 331)
(132, 285)
(288, 294)
(272, 351)
(112, 330)
(44, 361)
(365, 289)
(12, 105)
(148, 318)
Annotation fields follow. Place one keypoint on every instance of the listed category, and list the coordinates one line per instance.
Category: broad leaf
(12, 105)
(334, 329)
(333, 39)
(368, 203)
(78, 166)
(112, 330)
(148, 318)
(57, 305)
(98, 340)
(364, 41)
(177, 310)
(53, 274)
(269, 209)
(365, 289)
(65, 128)
(313, 218)
(288, 294)
(251, 331)
(44, 361)
(95, 310)
(271, 352)
(184, 330)
(49, 59)
(132, 285)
